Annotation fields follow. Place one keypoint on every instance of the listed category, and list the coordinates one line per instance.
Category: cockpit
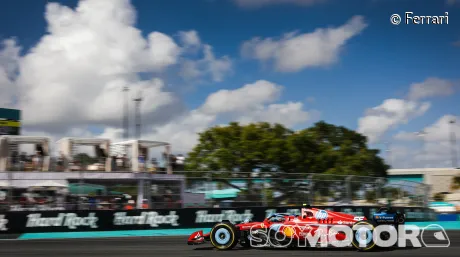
(281, 217)
(276, 218)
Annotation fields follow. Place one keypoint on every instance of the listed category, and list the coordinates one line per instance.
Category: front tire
(363, 236)
(224, 236)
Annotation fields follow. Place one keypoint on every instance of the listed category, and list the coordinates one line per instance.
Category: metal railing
(60, 165)
(208, 189)
(278, 189)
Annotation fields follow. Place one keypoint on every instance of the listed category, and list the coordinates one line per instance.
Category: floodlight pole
(138, 101)
(126, 114)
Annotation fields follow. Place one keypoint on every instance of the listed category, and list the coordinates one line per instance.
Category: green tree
(455, 183)
(239, 148)
(85, 159)
(439, 197)
(320, 149)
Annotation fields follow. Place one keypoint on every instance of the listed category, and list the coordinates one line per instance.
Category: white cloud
(75, 74)
(9, 61)
(434, 147)
(209, 66)
(439, 131)
(245, 98)
(261, 3)
(289, 114)
(190, 38)
(250, 103)
(71, 82)
(394, 112)
(391, 113)
(216, 67)
(294, 52)
(431, 87)
(220, 107)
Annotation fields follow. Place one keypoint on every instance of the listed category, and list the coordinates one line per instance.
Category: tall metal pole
(138, 101)
(453, 142)
(126, 114)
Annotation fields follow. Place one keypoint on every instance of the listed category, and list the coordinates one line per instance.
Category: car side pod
(363, 236)
(224, 236)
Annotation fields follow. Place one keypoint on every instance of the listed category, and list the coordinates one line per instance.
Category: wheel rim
(363, 236)
(222, 236)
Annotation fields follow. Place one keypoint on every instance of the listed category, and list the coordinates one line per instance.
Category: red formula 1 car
(313, 228)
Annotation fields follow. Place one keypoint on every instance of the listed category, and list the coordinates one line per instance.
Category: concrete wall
(439, 179)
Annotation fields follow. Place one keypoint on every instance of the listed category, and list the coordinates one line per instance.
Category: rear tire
(363, 236)
(224, 236)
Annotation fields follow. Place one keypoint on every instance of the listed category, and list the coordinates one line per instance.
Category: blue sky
(380, 62)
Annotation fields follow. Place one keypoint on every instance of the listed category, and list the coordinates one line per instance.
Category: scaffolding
(68, 148)
(141, 147)
(9, 145)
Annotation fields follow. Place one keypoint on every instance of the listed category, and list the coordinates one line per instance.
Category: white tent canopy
(4, 184)
(50, 183)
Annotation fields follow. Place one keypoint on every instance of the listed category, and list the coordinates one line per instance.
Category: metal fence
(115, 190)
(280, 189)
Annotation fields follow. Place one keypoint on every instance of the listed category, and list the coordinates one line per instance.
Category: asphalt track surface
(176, 246)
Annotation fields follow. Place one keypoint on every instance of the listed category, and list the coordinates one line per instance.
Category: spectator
(180, 162)
(92, 203)
(172, 161)
(145, 204)
(153, 165)
(126, 162)
(119, 160)
(36, 161)
(60, 161)
(15, 160)
(22, 160)
(114, 163)
(141, 162)
(130, 205)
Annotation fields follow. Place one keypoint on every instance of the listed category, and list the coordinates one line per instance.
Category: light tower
(126, 114)
(138, 101)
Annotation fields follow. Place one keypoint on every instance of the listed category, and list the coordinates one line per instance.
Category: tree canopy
(322, 148)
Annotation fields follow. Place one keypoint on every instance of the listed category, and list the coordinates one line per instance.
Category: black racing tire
(224, 236)
(363, 245)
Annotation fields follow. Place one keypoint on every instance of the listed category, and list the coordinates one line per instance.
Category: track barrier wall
(164, 219)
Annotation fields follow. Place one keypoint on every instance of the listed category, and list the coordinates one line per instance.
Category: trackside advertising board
(110, 220)
(10, 121)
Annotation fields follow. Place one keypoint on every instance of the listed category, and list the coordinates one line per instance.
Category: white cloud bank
(434, 148)
(395, 112)
(70, 82)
